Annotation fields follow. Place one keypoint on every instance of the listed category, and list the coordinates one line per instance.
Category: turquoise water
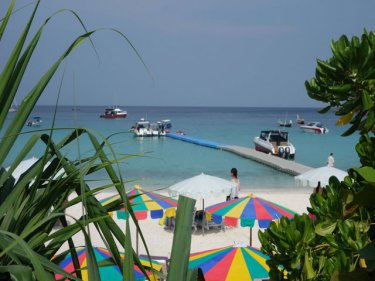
(166, 161)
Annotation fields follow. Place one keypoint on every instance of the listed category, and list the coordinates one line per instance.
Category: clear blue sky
(200, 53)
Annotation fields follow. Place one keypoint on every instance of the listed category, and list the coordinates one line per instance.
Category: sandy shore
(159, 240)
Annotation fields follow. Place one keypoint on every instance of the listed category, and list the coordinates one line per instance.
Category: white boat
(114, 113)
(35, 122)
(12, 109)
(285, 123)
(275, 143)
(144, 128)
(314, 127)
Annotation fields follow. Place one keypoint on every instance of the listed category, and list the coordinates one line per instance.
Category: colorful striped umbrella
(110, 272)
(143, 203)
(248, 210)
(231, 263)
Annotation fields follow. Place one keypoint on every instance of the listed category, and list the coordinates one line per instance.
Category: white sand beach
(159, 240)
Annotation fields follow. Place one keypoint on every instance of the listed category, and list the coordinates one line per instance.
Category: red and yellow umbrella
(108, 272)
(231, 263)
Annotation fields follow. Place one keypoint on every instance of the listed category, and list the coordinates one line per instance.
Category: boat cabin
(276, 138)
(315, 124)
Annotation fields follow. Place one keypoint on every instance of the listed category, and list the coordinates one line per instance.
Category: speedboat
(314, 127)
(167, 123)
(144, 128)
(114, 113)
(35, 122)
(300, 120)
(275, 143)
(285, 123)
(158, 129)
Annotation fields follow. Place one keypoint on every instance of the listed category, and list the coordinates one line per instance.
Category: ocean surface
(160, 162)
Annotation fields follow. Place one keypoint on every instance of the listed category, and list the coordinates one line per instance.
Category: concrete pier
(287, 166)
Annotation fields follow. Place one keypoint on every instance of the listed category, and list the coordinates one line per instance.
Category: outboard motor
(281, 152)
(287, 152)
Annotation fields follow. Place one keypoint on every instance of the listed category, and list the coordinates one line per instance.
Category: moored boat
(314, 127)
(285, 123)
(114, 113)
(144, 128)
(34, 122)
(275, 143)
(300, 120)
(167, 123)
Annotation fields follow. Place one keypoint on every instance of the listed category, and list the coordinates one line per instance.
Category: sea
(157, 163)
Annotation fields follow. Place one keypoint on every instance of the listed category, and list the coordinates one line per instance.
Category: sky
(197, 53)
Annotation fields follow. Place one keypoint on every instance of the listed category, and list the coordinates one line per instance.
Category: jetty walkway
(283, 165)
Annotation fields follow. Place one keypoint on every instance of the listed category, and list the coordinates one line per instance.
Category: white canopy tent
(322, 175)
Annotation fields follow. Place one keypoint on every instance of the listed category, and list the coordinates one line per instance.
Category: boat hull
(285, 125)
(143, 132)
(113, 116)
(314, 130)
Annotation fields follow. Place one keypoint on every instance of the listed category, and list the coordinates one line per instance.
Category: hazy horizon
(201, 106)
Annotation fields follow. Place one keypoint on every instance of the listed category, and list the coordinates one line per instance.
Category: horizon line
(203, 106)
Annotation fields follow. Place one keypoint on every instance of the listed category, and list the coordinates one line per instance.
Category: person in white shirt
(234, 178)
(330, 160)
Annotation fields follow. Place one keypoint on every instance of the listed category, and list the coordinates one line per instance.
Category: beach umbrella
(107, 272)
(143, 202)
(313, 177)
(248, 210)
(231, 263)
(202, 187)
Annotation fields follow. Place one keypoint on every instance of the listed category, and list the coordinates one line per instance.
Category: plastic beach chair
(213, 222)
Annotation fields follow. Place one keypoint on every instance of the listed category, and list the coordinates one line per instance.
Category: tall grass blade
(18, 272)
(5, 20)
(40, 273)
(30, 100)
(6, 74)
(178, 269)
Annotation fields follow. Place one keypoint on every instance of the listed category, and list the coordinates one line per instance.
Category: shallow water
(166, 161)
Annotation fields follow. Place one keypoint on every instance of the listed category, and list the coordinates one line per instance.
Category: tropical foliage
(338, 243)
(346, 82)
(30, 206)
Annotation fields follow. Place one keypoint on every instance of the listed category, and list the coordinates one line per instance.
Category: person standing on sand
(330, 160)
(234, 178)
(318, 189)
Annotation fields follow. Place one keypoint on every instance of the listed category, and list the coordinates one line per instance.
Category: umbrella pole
(251, 236)
(203, 217)
(136, 241)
